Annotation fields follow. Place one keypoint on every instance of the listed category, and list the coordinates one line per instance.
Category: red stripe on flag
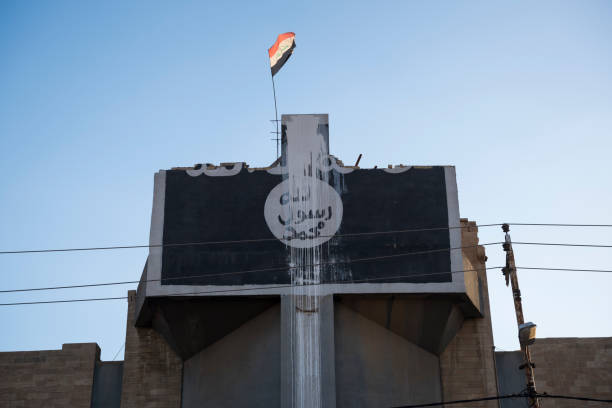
(272, 50)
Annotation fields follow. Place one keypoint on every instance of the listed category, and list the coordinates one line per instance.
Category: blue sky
(96, 97)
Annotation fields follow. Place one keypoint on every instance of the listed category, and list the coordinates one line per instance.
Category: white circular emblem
(308, 217)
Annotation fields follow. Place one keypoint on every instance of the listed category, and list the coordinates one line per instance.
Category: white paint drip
(309, 185)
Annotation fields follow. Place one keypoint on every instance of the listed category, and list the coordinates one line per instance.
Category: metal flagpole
(275, 112)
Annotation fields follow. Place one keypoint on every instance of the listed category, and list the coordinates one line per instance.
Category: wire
(565, 269)
(118, 351)
(545, 395)
(63, 301)
(260, 287)
(241, 241)
(274, 268)
(558, 225)
(101, 248)
(500, 397)
(562, 244)
(275, 239)
(436, 404)
(259, 270)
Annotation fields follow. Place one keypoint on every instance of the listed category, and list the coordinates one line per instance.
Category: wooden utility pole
(511, 277)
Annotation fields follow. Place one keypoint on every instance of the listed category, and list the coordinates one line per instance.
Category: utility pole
(526, 332)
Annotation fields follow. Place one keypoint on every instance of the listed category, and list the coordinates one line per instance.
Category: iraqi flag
(281, 51)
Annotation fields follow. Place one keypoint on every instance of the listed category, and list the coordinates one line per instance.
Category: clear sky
(97, 96)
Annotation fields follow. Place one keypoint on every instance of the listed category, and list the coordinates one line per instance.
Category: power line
(63, 301)
(356, 234)
(31, 251)
(269, 269)
(559, 225)
(436, 404)
(288, 286)
(118, 351)
(87, 285)
(500, 397)
(565, 269)
(263, 287)
(240, 241)
(545, 395)
(563, 244)
(100, 248)
(260, 287)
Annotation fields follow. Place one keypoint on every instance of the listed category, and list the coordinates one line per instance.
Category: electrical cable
(500, 397)
(545, 395)
(565, 269)
(559, 225)
(259, 270)
(260, 287)
(356, 234)
(275, 239)
(274, 268)
(118, 351)
(437, 404)
(241, 241)
(563, 244)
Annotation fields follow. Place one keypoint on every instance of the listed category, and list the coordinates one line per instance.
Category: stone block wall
(467, 366)
(152, 372)
(573, 366)
(49, 378)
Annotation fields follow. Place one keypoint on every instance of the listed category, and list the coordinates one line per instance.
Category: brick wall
(49, 378)
(467, 366)
(152, 372)
(573, 366)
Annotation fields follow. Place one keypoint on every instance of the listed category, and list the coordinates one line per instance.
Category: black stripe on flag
(279, 64)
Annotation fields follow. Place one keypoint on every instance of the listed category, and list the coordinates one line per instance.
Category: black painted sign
(349, 224)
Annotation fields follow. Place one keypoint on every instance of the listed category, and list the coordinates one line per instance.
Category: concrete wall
(48, 378)
(573, 366)
(152, 372)
(378, 368)
(577, 367)
(240, 370)
(467, 366)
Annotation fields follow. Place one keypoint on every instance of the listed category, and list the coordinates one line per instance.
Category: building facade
(305, 284)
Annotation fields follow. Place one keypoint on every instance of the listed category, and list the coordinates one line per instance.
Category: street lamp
(527, 333)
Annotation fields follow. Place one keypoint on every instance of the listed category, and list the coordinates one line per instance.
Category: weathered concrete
(467, 364)
(577, 367)
(378, 368)
(429, 321)
(152, 371)
(191, 324)
(49, 378)
(241, 369)
(573, 366)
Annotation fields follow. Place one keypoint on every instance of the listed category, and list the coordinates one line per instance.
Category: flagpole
(275, 111)
(279, 53)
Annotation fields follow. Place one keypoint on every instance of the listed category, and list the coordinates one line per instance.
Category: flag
(281, 51)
